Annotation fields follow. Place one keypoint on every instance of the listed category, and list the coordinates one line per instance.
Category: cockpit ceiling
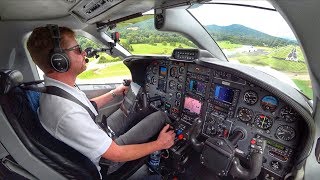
(88, 11)
(11, 10)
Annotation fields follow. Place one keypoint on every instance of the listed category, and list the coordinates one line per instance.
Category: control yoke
(218, 154)
(194, 133)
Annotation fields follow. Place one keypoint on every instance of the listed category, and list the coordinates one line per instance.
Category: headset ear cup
(59, 61)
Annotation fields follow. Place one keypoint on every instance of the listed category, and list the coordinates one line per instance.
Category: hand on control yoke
(121, 90)
(166, 138)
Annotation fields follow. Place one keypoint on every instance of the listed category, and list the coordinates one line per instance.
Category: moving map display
(192, 105)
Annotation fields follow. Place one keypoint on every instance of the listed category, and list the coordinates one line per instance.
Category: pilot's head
(41, 47)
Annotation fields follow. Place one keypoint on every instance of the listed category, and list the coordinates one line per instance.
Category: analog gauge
(154, 70)
(173, 72)
(285, 133)
(263, 121)
(288, 114)
(269, 103)
(250, 97)
(181, 70)
(148, 78)
(179, 86)
(172, 84)
(245, 114)
(180, 78)
(153, 80)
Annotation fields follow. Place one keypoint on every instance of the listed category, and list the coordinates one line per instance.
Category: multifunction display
(223, 94)
(192, 105)
(197, 87)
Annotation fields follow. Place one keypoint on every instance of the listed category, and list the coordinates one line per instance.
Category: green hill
(142, 30)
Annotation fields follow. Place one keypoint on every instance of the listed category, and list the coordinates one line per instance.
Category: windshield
(257, 37)
(140, 37)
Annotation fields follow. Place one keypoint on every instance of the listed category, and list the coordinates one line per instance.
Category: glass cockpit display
(192, 105)
(162, 83)
(197, 87)
(163, 71)
(223, 94)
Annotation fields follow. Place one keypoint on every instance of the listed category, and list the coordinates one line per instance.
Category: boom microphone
(90, 52)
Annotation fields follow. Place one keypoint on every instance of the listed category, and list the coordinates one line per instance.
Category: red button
(180, 137)
(253, 141)
(225, 133)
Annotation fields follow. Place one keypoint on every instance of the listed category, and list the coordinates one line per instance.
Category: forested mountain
(240, 34)
(144, 32)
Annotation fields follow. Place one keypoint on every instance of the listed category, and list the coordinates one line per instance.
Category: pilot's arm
(107, 97)
(123, 153)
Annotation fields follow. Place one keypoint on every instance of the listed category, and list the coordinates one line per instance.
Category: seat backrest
(20, 107)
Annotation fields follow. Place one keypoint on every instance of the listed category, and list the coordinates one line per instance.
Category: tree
(102, 60)
(173, 44)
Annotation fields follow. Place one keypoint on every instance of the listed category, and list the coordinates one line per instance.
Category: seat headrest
(9, 79)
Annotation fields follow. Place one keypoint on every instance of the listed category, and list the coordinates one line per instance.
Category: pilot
(70, 122)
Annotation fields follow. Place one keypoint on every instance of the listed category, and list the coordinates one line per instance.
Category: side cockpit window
(101, 69)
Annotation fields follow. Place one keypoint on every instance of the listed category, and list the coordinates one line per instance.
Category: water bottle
(154, 161)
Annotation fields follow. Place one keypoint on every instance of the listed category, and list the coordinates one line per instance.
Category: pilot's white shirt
(71, 123)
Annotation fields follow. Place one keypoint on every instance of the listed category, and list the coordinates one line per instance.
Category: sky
(269, 22)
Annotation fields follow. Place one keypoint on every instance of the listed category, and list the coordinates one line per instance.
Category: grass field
(113, 70)
(277, 64)
(304, 86)
(228, 45)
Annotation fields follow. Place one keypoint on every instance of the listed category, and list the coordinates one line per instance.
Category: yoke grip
(194, 133)
(256, 157)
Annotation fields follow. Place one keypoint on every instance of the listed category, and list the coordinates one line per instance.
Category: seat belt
(53, 90)
(64, 94)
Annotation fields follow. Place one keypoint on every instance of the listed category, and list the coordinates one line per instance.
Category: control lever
(235, 137)
(256, 157)
(126, 82)
(144, 100)
(224, 150)
(195, 131)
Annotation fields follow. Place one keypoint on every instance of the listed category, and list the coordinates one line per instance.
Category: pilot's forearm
(103, 99)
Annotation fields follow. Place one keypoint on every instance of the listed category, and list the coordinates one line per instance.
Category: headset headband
(59, 60)
(55, 34)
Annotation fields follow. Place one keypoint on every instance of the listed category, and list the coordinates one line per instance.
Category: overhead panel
(88, 9)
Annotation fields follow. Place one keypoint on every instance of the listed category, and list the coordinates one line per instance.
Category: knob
(177, 103)
(178, 95)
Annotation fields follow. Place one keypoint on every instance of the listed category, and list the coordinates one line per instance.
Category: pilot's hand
(166, 137)
(121, 90)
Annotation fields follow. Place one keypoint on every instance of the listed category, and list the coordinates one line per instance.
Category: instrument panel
(226, 103)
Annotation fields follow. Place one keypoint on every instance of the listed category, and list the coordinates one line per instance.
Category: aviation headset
(59, 60)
